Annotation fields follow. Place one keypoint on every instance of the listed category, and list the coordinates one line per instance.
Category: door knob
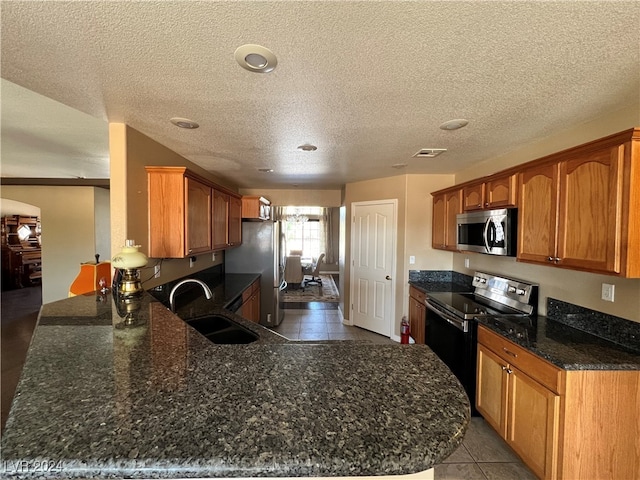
(388, 277)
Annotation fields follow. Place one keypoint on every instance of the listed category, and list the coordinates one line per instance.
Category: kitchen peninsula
(158, 400)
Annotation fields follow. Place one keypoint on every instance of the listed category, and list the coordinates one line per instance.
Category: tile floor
(483, 455)
(321, 323)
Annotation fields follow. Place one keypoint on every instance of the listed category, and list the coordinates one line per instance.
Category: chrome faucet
(205, 287)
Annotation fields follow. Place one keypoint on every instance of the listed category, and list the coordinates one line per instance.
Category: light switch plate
(466, 263)
(412, 259)
(608, 292)
(156, 271)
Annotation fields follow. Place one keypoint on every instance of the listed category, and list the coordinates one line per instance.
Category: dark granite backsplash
(441, 276)
(614, 329)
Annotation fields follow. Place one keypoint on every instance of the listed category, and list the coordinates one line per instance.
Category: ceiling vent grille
(429, 152)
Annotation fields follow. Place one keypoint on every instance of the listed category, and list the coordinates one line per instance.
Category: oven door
(454, 341)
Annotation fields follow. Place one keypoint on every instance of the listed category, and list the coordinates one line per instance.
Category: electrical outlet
(466, 263)
(608, 292)
(156, 271)
(213, 257)
(412, 259)
(192, 261)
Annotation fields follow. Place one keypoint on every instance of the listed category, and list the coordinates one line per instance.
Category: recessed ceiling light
(265, 170)
(256, 58)
(454, 124)
(184, 123)
(399, 165)
(307, 147)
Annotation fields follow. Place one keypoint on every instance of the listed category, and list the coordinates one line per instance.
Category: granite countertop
(158, 400)
(567, 347)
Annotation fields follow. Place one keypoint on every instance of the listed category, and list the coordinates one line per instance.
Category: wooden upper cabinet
(574, 213)
(220, 220)
(538, 187)
(495, 192)
(446, 206)
(473, 197)
(256, 208)
(188, 214)
(235, 221)
(501, 192)
(438, 228)
(589, 217)
(198, 228)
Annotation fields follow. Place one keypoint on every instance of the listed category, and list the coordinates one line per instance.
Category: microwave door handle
(485, 235)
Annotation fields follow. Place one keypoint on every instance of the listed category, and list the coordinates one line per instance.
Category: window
(302, 230)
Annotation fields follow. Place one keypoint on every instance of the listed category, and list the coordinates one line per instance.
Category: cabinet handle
(514, 355)
(486, 204)
(557, 259)
(509, 371)
(549, 259)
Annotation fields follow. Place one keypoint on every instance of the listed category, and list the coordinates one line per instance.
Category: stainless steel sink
(221, 330)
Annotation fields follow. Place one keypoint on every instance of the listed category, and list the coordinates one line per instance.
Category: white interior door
(373, 236)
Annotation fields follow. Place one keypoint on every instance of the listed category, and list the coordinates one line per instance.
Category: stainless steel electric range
(451, 331)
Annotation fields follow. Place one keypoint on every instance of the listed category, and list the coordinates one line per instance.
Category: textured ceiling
(367, 82)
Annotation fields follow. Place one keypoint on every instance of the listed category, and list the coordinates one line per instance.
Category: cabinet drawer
(537, 368)
(417, 294)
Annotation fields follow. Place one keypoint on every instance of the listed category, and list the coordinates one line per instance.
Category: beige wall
(130, 152)
(413, 193)
(68, 232)
(571, 286)
(586, 132)
(102, 223)
(298, 197)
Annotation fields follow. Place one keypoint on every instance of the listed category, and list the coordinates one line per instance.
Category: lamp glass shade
(129, 257)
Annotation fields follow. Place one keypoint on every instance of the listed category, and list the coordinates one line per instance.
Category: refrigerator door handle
(283, 285)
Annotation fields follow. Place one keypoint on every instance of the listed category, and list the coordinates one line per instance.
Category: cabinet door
(590, 225)
(220, 220)
(473, 197)
(533, 421)
(501, 192)
(235, 221)
(453, 206)
(255, 311)
(491, 389)
(438, 222)
(198, 231)
(538, 190)
(417, 314)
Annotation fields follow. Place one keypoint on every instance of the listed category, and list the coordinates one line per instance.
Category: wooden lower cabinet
(417, 315)
(564, 424)
(250, 308)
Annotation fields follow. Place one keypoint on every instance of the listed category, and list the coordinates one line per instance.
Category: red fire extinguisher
(404, 330)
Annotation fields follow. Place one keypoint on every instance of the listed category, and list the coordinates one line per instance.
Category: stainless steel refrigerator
(262, 251)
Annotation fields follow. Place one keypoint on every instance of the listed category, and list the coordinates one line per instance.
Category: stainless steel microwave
(488, 231)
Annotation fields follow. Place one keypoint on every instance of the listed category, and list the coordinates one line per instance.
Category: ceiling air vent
(429, 152)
